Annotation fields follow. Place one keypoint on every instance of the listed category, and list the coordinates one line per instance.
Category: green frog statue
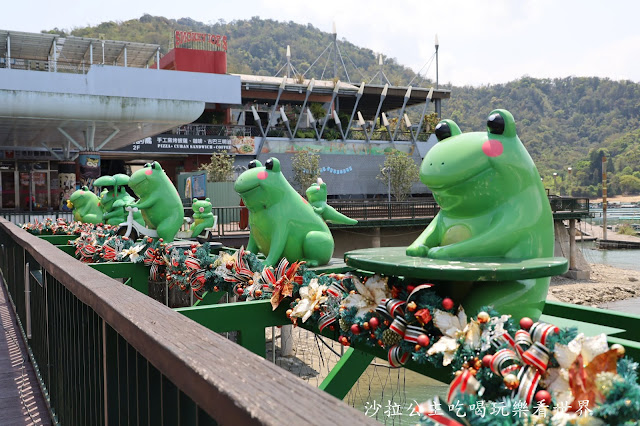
(282, 222)
(86, 206)
(492, 206)
(114, 198)
(202, 216)
(317, 196)
(158, 202)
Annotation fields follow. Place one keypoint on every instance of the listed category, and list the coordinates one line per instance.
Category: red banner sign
(201, 40)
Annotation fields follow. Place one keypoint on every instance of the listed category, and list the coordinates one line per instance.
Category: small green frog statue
(317, 196)
(159, 201)
(282, 222)
(114, 198)
(202, 216)
(86, 206)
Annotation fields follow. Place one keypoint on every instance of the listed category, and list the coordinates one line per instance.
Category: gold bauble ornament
(620, 350)
(411, 306)
(483, 317)
(511, 381)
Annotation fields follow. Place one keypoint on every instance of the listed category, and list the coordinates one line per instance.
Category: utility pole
(604, 197)
(437, 100)
(288, 61)
(335, 52)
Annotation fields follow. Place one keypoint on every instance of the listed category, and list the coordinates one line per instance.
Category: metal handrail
(106, 353)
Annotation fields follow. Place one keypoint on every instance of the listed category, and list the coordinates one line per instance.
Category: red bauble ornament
(543, 396)
(374, 323)
(526, 323)
(447, 303)
(240, 290)
(410, 288)
(486, 360)
(355, 329)
(423, 340)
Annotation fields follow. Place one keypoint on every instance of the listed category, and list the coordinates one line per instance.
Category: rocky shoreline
(606, 284)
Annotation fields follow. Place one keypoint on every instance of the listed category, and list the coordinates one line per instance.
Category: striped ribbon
(396, 357)
(537, 356)
(465, 383)
(529, 379)
(504, 362)
(325, 320)
(540, 331)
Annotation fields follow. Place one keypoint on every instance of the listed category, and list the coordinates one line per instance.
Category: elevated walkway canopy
(266, 88)
(84, 99)
(42, 52)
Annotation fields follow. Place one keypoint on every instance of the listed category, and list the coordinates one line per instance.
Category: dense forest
(565, 123)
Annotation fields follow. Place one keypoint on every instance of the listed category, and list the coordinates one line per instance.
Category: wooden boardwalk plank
(21, 402)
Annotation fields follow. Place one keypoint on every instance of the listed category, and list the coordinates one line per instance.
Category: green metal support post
(346, 373)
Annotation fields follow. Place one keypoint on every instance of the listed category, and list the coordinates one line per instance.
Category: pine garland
(408, 320)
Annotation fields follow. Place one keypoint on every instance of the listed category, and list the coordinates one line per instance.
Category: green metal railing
(106, 354)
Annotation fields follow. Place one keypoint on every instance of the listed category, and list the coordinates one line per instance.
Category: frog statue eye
(269, 164)
(252, 164)
(496, 124)
(153, 165)
(443, 131)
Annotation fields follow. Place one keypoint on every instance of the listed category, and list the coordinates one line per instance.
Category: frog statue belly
(282, 223)
(492, 205)
(159, 201)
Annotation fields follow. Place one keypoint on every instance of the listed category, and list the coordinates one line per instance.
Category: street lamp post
(569, 169)
(387, 171)
(555, 182)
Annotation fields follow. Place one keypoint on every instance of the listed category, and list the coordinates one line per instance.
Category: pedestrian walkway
(596, 231)
(21, 401)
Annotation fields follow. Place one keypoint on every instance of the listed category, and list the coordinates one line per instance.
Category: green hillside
(568, 122)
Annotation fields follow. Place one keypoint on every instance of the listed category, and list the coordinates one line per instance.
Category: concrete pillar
(67, 179)
(572, 244)
(375, 237)
(89, 168)
(286, 340)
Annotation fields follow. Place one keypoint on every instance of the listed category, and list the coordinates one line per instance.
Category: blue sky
(481, 41)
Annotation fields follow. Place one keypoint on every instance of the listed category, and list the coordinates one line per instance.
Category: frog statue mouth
(475, 176)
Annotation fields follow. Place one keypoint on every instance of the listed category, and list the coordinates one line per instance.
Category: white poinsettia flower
(132, 252)
(455, 329)
(368, 295)
(310, 297)
(557, 379)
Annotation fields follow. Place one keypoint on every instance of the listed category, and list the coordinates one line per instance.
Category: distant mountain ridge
(564, 122)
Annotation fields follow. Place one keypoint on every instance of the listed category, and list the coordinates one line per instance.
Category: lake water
(624, 259)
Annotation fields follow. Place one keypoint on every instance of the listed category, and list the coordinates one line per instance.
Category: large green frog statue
(492, 203)
(283, 224)
(114, 198)
(317, 196)
(86, 206)
(202, 216)
(159, 201)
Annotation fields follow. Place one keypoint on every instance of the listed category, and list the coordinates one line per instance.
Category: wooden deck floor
(21, 401)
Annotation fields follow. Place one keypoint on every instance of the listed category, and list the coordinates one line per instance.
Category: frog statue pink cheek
(263, 175)
(492, 148)
(148, 172)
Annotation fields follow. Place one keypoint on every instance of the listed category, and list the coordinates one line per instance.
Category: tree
(400, 172)
(306, 169)
(220, 169)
